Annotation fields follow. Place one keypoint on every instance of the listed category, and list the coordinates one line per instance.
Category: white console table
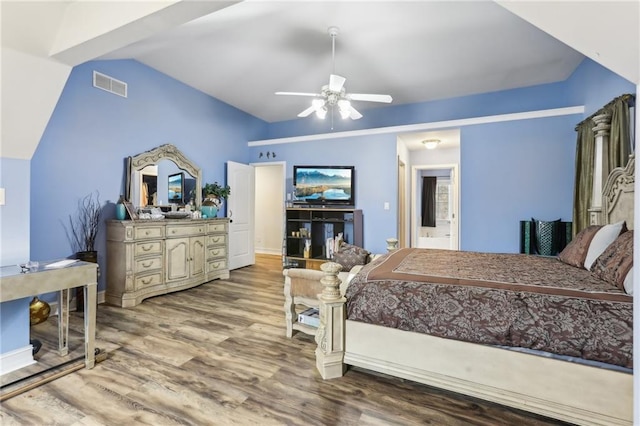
(17, 284)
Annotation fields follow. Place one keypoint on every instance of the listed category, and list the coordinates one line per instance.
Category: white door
(240, 211)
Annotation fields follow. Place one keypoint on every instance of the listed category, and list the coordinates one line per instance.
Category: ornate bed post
(330, 334)
(602, 131)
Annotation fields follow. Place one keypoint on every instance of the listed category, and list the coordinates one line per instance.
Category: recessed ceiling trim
(528, 115)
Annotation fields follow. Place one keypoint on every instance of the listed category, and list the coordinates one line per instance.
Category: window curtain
(429, 201)
(620, 137)
(618, 151)
(585, 154)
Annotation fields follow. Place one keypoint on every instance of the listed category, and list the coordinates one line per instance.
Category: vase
(85, 256)
(209, 211)
(121, 211)
(39, 311)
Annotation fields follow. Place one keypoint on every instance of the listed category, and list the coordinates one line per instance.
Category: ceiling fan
(334, 94)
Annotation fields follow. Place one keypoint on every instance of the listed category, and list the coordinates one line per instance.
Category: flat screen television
(324, 185)
(176, 188)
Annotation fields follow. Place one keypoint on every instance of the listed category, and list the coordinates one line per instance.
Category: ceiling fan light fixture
(321, 113)
(334, 94)
(431, 143)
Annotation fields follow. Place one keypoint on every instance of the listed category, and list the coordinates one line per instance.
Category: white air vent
(109, 84)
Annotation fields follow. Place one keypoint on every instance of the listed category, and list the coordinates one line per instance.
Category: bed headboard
(617, 195)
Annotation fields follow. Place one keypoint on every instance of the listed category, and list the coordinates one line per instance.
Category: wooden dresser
(147, 257)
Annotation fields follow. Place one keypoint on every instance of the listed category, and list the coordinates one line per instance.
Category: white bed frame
(559, 389)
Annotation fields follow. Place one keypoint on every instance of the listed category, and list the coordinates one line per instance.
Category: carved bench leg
(330, 334)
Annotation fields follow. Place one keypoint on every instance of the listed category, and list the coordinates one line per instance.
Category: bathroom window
(443, 200)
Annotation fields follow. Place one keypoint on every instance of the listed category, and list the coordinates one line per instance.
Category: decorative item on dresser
(213, 195)
(152, 257)
(82, 233)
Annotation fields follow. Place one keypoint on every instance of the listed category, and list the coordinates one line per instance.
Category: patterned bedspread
(498, 299)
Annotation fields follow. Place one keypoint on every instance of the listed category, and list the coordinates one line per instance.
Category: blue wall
(510, 172)
(91, 132)
(14, 248)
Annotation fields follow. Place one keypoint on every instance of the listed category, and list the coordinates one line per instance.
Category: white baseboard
(263, 250)
(16, 359)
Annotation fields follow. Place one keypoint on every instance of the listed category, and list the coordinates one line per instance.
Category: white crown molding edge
(528, 115)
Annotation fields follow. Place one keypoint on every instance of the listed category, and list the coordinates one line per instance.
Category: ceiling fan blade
(370, 97)
(336, 82)
(307, 111)
(299, 94)
(355, 114)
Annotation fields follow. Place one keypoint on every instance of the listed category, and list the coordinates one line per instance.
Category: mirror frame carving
(165, 152)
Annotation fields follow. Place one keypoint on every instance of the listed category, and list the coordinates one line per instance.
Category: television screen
(176, 188)
(324, 184)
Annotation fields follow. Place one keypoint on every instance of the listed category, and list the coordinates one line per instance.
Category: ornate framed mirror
(161, 162)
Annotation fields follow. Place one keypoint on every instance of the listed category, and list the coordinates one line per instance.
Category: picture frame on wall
(131, 211)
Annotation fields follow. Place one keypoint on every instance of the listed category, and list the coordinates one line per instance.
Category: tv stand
(315, 224)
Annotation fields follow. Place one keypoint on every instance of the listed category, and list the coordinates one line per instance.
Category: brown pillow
(615, 262)
(575, 252)
(349, 256)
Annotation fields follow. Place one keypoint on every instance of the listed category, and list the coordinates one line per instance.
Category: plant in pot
(82, 231)
(213, 195)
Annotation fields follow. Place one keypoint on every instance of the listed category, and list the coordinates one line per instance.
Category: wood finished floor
(217, 355)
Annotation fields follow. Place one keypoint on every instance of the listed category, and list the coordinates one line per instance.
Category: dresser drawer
(148, 264)
(216, 227)
(216, 240)
(215, 252)
(142, 232)
(185, 231)
(151, 247)
(148, 280)
(216, 265)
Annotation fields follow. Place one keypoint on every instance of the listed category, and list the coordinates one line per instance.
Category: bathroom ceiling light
(431, 143)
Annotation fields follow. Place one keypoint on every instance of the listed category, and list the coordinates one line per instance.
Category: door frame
(283, 166)
(415, 196)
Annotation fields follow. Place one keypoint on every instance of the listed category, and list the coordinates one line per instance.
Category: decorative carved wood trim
(618, 193)
(166, 152)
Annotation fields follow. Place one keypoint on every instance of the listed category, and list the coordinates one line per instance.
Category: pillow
(614, 264)
(349, 256)
(605, 236)
(576, 251)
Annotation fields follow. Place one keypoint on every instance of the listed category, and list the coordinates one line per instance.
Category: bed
(530, 332)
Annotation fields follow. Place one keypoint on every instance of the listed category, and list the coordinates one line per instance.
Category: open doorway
(438, 228)
(270, 184)
(435, 155)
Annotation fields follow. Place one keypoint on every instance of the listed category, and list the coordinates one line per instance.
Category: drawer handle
(146, 265)
(173, 231)
(214, 252)
(216, 239)
(215, 266)
(144, 248)
(146, 232)
(147, 281)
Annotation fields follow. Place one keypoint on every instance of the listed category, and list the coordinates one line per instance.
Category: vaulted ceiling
(243, 52)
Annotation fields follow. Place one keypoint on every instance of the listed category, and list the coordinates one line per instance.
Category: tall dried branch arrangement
(83, 227)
